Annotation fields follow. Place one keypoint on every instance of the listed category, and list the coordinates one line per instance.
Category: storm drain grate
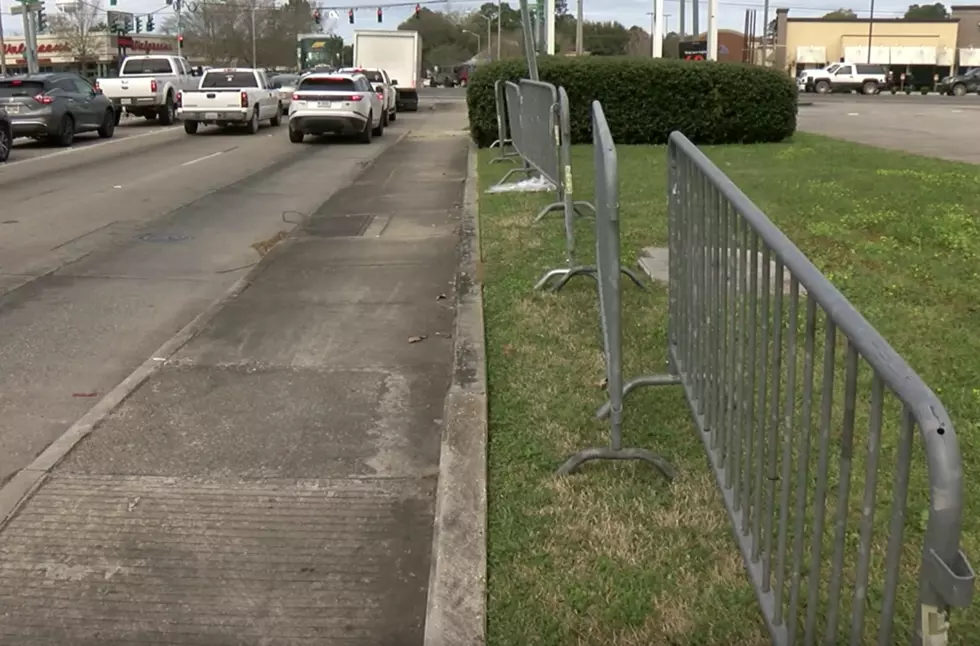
(162, 237)
(343, 226)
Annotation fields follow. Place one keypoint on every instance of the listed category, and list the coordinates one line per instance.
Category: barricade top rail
(898, 376)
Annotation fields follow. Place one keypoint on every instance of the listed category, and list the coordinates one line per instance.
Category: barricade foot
(584, 209)
(495, 144)
(643, 455)
(512, 171)
(636, 279)
(640, 382)
(569, 274)
(554, 206)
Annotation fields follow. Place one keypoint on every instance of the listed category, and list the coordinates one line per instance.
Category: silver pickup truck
(147, 86)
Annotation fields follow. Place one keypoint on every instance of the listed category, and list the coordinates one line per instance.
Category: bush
(646, 99)
(924, 89)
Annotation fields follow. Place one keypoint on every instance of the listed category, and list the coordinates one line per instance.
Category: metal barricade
(610, 315)
(504, 143)
(755, 336)
(515, 128)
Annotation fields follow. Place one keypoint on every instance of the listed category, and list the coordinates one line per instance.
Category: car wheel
(393, 115)
(190, 127)
(253, 123)
(822, 87)
(869, 88)
(365, 136)
(108, 127)
(296, 136)
(66, 132)
(276, 121)
(117, 117)
(959, 90)
(5, 143)
(167, 116)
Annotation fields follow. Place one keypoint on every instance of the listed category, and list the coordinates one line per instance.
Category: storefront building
(967, 35)
(920, 48)
(56, 54)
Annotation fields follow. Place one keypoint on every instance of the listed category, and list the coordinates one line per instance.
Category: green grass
(614, 555)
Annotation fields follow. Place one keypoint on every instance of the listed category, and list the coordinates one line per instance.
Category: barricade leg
(524, 170)
(640, 382)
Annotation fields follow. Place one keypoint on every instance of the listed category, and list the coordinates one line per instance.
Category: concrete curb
(456, 608)
(25, 482)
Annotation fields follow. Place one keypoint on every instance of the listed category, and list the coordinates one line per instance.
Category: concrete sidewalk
(274, 482)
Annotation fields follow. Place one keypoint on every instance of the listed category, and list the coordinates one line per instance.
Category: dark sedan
(55, 107)
(960, 84)
(6, 136)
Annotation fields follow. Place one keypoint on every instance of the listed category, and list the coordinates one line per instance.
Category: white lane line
(200, 159)
(69, 151)
(853, 114)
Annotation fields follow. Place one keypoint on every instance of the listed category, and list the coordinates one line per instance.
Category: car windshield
(20, 88)
(229, 80)
(284, 80)
(329, 83)
(146, 66)
(833, 68)
(372, 75)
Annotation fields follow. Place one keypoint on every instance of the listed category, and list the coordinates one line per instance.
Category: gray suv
(55, 107)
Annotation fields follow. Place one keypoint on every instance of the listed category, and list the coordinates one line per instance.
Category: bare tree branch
(81, 29)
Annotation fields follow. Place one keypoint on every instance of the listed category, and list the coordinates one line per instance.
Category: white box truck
(397, 52)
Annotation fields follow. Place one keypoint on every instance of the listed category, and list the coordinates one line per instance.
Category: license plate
(325, 104)
(11, 109)
(210, 115)
(125, 101)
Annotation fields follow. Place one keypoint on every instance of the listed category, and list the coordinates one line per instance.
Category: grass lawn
(614, 555)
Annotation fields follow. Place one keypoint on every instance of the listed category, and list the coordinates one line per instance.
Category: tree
(81, 29)
(927, 12)
(605, 38)
(444, 43)
(841, 14)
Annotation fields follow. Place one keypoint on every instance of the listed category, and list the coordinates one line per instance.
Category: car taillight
(180, 99)
(45, 100)
(97, 86)
(296, 97)
(153, 85)
(244, 99)
(355, 97)
(381, 96)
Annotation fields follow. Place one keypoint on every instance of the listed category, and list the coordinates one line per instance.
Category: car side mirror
(394, 82)
(97, 90)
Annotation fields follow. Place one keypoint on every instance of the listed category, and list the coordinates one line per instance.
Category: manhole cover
(162, 237)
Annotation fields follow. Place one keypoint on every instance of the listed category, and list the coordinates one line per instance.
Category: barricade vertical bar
(896, 530)
(743, 437)
(772, 445)
(750, 428)
(608, 264)
(761, 420)
(731, 307)
(529, 50)
(512, 101)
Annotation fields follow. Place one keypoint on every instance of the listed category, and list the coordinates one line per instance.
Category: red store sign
(43, 48)
(152, 46)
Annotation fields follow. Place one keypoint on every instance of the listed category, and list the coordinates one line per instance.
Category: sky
(731, 13)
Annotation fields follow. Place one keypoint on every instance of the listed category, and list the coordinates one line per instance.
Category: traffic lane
(24, 149)
(53, 221)
(940, 130)
(69, 337)
(887, 98)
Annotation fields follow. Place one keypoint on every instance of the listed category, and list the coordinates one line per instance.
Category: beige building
(924, 47)
(968, 34)
(57, 54)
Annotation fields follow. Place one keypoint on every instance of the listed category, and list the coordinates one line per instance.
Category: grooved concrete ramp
(273, 483)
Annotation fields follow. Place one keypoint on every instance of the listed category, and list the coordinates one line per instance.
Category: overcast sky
(731, 13)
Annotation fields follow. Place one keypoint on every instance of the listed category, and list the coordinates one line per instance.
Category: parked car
(381, 82)
(286, 85)
(847, 77)
(239, 96)
(147, 86)
(6, 137)
(55, 106)
(336, 104)
(960, 84)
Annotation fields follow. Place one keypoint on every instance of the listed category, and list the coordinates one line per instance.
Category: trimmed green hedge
(646, 99)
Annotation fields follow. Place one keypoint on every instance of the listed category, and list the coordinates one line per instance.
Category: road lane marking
(68, 151)
(200, 159)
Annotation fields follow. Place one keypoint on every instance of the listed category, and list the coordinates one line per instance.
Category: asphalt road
(935, 126)
(888, 98)
(111, 246)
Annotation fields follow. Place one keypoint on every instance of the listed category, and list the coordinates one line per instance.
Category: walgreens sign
(43, 48)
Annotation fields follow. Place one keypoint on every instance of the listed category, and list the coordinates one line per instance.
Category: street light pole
(255, 62)
(3, 49)
(499, 28)
(871, 29)
(478, 41)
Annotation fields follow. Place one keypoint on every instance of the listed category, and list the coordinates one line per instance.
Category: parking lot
(937, 126)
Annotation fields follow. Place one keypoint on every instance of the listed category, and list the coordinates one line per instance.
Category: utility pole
(579, 34)
(549, 27)
(3, 49)
(177, 8)
(682, 28)
(712, 30)
(499, 28)
(695, 23)
(255, 62)
(765, 33)
(657, 30)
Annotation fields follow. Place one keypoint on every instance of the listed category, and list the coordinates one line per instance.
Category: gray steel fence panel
(540, 137)
(515, 128)
(610, 314)
(741, 295)
(503, 141)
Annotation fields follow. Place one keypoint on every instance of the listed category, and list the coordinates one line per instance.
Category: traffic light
(127, 24)
(350, 16)
(180, 39)
(42, 19)
(149, 22)
(139, 24)
(379, 14)
(112, 3)
(316, 16)
(418, 11)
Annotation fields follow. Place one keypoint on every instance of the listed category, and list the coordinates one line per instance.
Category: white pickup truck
(147, 86)
(228, 97)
